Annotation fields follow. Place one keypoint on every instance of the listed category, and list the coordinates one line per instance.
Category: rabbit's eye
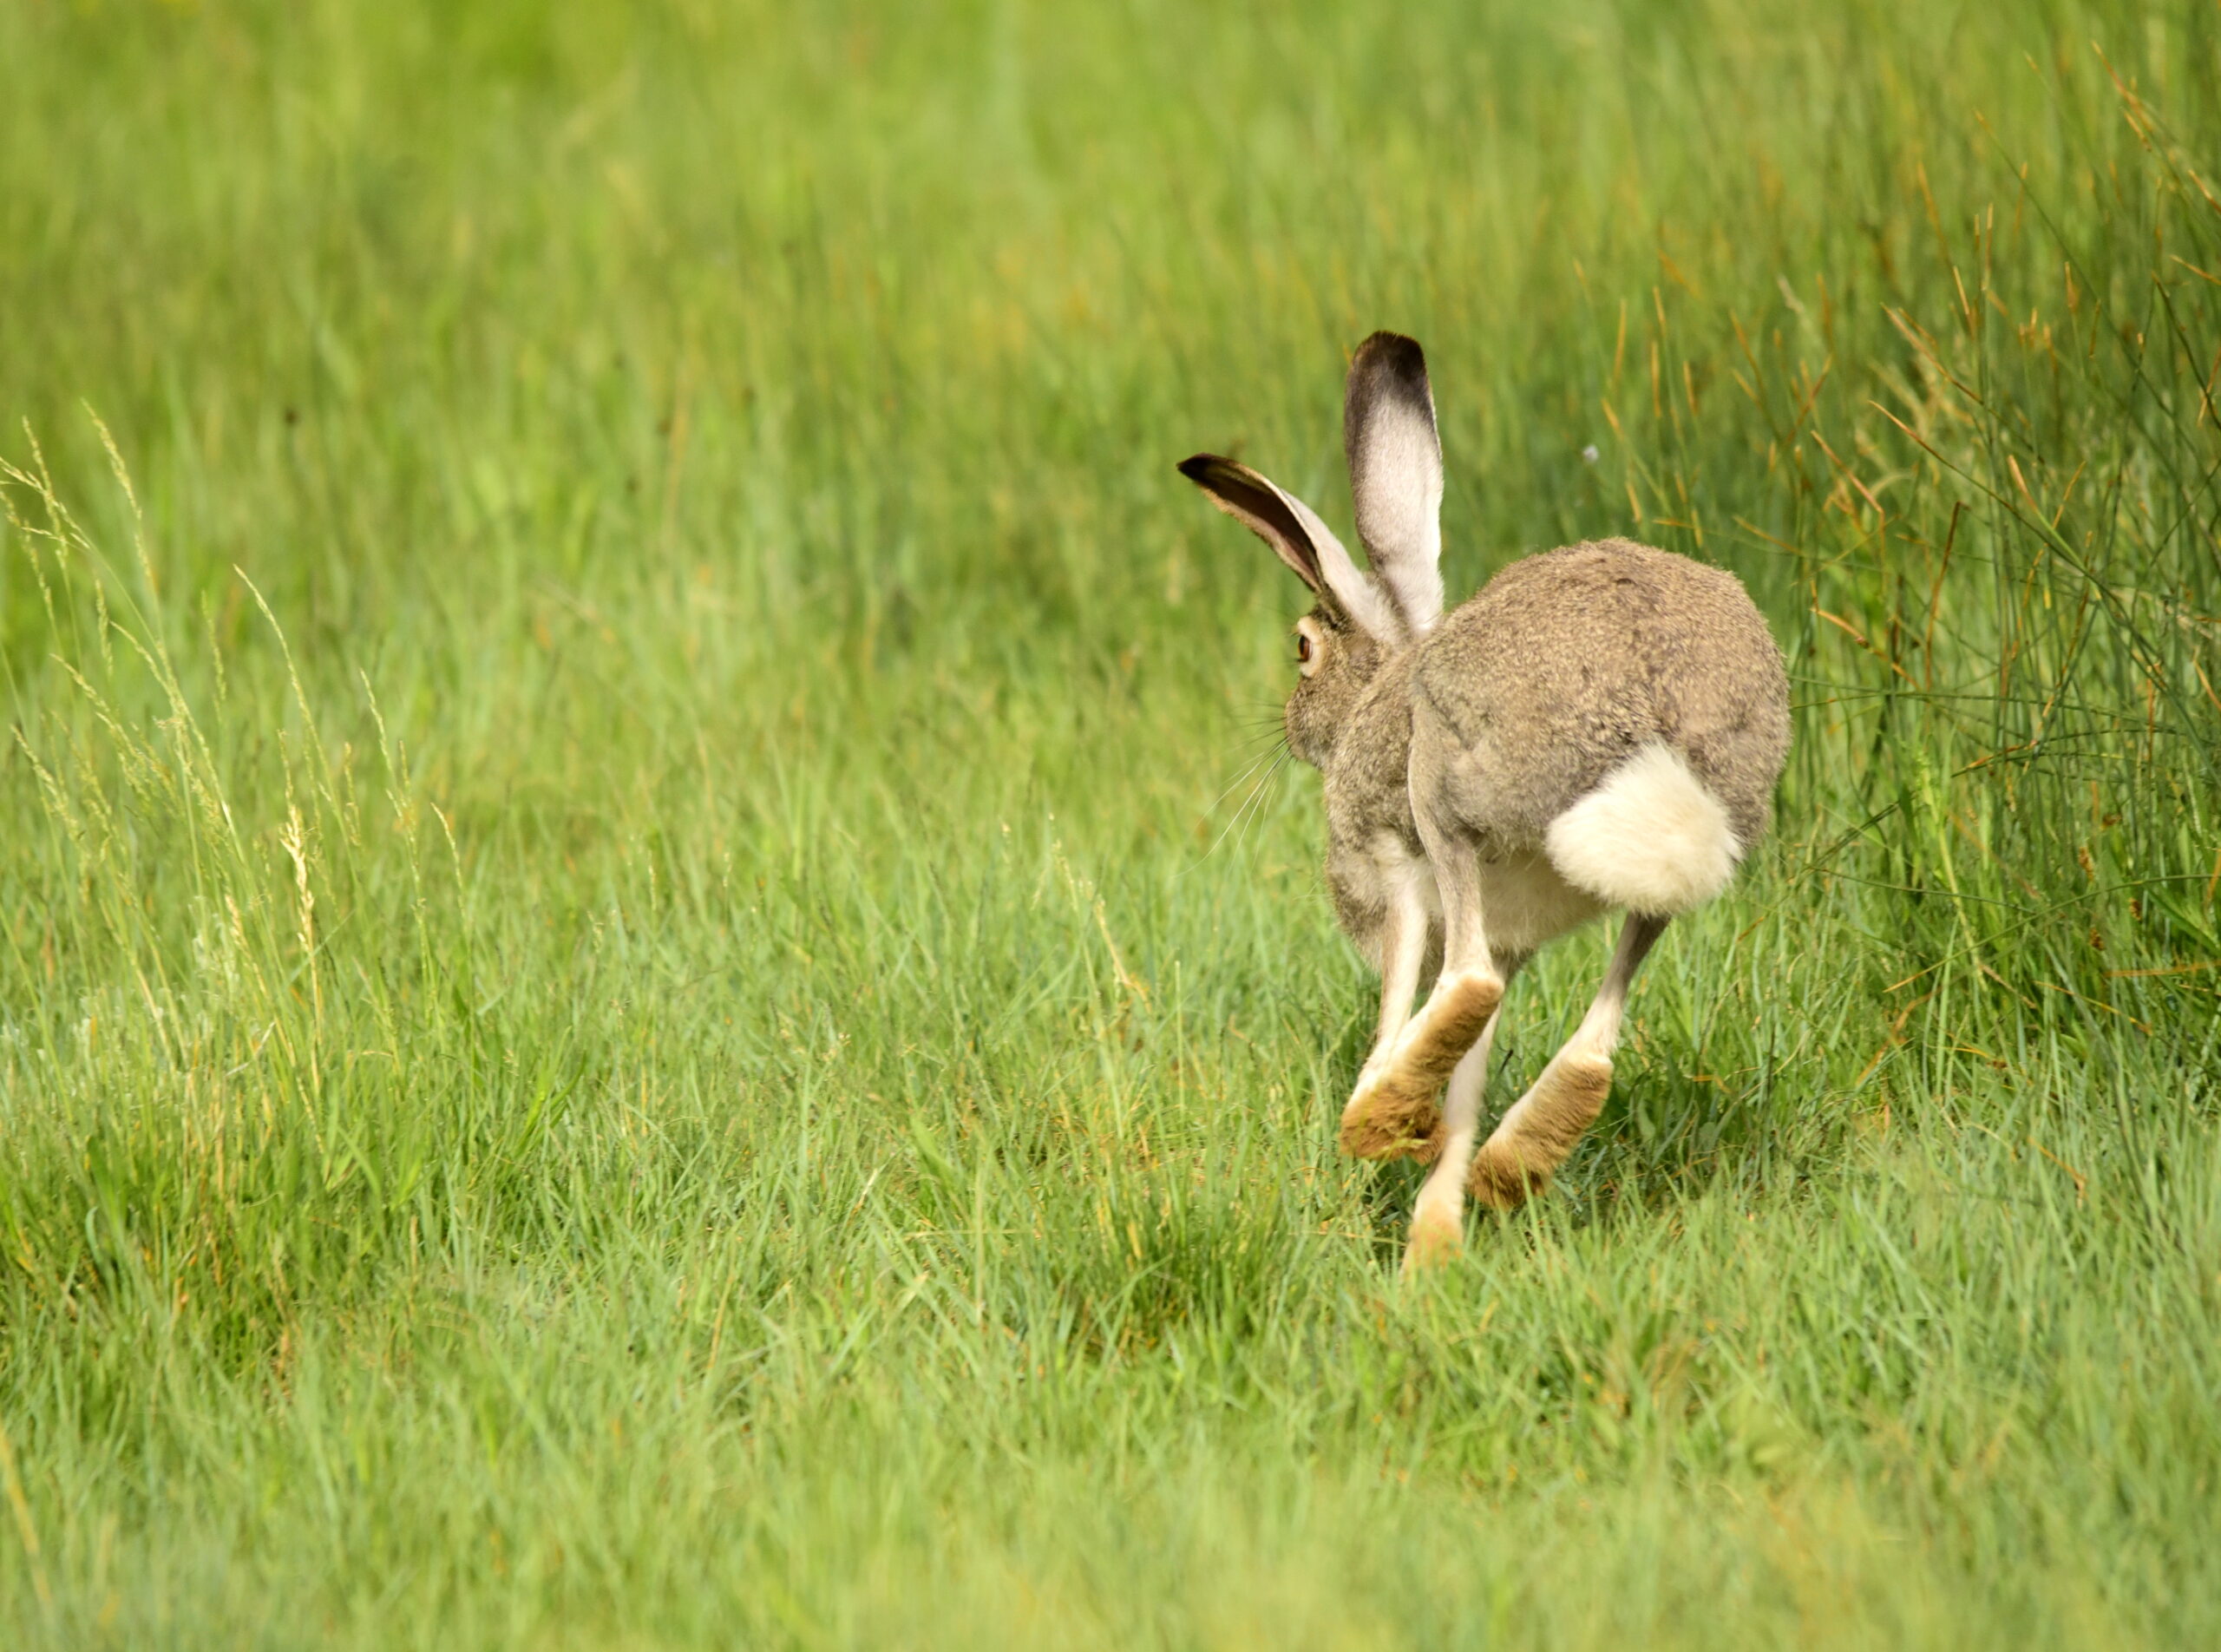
(1302, 649)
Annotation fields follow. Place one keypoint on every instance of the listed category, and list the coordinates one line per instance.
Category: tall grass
(647, 996)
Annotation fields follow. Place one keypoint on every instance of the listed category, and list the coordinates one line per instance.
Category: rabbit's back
(1569, 663)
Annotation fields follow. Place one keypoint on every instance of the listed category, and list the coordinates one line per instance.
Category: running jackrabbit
(1599, 728)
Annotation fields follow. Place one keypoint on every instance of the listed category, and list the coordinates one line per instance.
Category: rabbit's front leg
(1439, 1220)
(1404, 937)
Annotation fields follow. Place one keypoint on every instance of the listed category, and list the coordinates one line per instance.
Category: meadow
(658, 985)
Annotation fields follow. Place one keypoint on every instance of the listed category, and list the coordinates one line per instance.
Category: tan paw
(1538, 1134)
(1393, 1113)
(1385, 1120)
(1437, 1236)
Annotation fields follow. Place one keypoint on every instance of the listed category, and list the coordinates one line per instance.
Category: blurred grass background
(642, 999)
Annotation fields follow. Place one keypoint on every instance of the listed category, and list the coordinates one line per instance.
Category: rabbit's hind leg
(1393, 1114)
(1537, 1132)
(1398, 1094)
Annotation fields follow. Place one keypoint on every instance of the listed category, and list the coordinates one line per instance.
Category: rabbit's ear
(1302, 542)
(1396, 472)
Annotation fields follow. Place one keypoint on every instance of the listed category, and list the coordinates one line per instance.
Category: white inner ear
(1365, 602)
(1397, 479)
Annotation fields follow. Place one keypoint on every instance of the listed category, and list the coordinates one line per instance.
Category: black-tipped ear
(1395, 456)
(1302, 540)
(1263, 509)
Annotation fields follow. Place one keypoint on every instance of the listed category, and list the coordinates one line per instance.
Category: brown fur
(1567, 663)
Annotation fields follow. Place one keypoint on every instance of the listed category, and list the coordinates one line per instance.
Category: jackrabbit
(1599, 728)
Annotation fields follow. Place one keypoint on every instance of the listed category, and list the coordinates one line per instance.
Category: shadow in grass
(1666, 1135)
(1669, 1134)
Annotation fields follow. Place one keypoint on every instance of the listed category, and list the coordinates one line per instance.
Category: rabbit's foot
(1393, 1113)
(1437, 1236)
(1537, 1134)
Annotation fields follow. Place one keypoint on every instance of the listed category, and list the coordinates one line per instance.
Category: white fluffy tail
(1650, 839)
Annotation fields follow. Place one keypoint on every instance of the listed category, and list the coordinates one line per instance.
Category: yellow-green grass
(642, 1003)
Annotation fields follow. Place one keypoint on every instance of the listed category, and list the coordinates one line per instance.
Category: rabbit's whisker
(1250, 769)
(1252, 806)
(1271, 764)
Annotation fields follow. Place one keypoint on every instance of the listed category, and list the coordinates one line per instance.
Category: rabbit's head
(1362, 617)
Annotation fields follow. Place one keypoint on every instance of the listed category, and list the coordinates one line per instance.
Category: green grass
(626, 1017)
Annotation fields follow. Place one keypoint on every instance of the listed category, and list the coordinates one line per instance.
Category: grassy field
(647, 996)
